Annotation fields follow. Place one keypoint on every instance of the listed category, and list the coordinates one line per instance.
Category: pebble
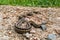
(27, 19)
(51, 37)
(28, 35)
(9, 32)
(43, 27)
(32, 31)
(34, 38)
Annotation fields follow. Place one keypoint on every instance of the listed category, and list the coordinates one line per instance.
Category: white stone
(27, 19)
(32, 31)
(28, 35)
(34, 38)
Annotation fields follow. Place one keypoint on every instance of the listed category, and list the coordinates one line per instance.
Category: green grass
(41, 3)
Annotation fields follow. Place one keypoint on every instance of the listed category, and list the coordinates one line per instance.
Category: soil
(9, 15)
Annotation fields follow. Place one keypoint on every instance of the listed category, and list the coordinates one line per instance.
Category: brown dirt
(9, 16)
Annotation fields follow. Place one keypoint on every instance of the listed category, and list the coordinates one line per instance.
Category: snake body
(20, 29)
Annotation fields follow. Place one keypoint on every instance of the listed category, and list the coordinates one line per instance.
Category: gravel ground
(9, 16)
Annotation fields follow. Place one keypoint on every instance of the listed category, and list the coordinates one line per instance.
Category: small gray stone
(43, 27)
(51, 37)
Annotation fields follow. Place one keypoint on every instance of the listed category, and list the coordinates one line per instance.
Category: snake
(28, 26)
(18, 26)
